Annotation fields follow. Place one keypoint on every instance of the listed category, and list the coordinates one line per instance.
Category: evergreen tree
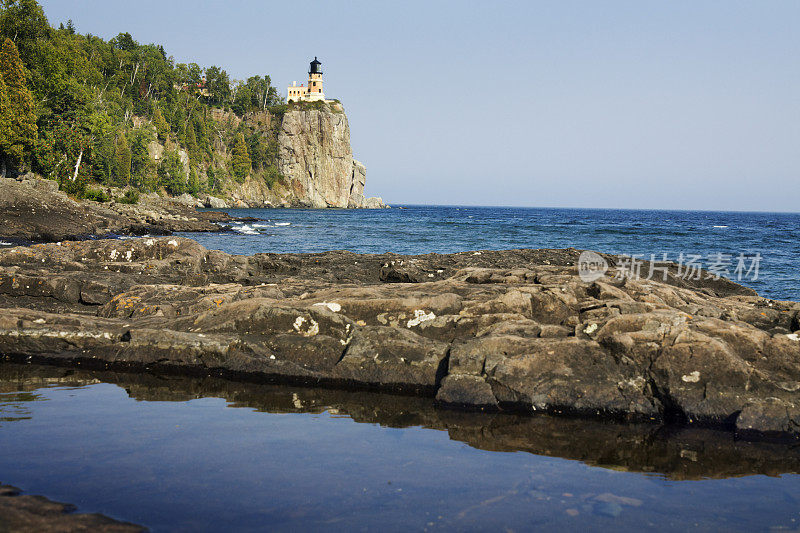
(20, 104)
(122, 160)
(141, 164)
(171, 173)
(6, 129)
(162, 128)
(191, 145)
(193, 185)
(241, 158)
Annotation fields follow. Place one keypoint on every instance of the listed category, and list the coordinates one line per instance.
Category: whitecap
(283, 223)
(246, 230)
(4, 243)
(720, 226)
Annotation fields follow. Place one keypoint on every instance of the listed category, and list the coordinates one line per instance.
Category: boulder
(214, 202)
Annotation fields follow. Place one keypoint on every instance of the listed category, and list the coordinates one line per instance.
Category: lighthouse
(311, 93)
(315, 81)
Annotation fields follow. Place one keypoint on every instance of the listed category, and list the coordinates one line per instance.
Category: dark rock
(392, 357)
(463, 390)
(24, 513)
(33, 210)
(503, 330)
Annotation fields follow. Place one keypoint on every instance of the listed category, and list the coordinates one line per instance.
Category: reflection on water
(171, 453)
(13, 406)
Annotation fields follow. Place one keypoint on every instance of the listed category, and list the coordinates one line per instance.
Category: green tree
(20, 104)
(241, 158)
(124, 41)
(193, 185)
(219, 85)
(162, 128)
(171, 174)
(6, 129)
(191, 144)
(25, 22)
(141, 165)
(122, 160)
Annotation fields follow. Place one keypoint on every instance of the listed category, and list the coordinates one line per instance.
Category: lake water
(178, 454)
(775, 237)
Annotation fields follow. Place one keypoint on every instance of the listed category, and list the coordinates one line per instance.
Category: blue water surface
(210, 464)
(444, 229)
(195, 460)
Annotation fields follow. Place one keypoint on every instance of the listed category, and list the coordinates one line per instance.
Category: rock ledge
(494, 330)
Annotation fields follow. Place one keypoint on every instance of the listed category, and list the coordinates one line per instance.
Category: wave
(246, 230)
(4, 243)
(720, 226)
(283, 223)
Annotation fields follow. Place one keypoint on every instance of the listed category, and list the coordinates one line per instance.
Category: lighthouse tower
(313, 92)
(315, 81)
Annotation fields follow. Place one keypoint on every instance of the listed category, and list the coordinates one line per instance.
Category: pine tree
(191, 144)
(20, 104)
(122, 160)
(162, 128)
(241, 158)
(193, 185)
(6, 128)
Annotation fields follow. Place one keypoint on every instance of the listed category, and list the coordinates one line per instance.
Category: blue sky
(622, 104)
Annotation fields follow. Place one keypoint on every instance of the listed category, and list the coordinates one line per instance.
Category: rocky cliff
(316, 161)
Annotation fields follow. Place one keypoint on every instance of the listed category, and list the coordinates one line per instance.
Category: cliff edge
(316, 161)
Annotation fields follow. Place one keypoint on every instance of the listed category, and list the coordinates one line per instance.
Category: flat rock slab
(496, 330)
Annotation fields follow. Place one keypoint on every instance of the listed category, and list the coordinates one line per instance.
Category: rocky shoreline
(509, 330)
(32, 209)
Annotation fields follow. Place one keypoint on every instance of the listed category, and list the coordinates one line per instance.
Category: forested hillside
(82, 110)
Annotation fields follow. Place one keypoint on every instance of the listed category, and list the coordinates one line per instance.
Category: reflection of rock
(508, 330)
(678, 453)
(34, 513)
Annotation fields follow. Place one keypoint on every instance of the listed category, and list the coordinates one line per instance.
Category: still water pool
(180, 454)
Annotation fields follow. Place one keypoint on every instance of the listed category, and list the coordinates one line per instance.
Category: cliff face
(316, 160)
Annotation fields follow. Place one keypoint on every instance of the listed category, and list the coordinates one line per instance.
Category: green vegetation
(131, 197)
(95, 194)
(89, 112)
(19, 132)
(317, 104)
(241, 158)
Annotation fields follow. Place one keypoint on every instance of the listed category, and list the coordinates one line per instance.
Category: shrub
(96, 194)
(131, 197)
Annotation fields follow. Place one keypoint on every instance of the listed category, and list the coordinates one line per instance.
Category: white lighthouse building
(311, 93)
